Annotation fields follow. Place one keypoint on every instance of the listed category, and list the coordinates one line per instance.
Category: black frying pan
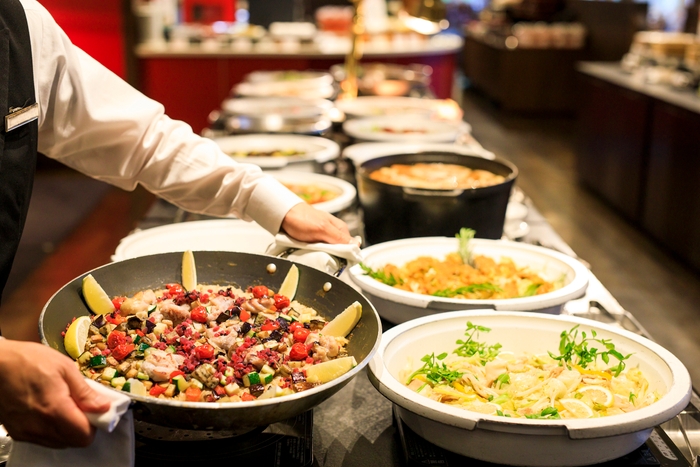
(241, 269)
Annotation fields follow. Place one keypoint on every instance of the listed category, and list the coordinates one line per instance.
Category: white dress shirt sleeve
(93, 121)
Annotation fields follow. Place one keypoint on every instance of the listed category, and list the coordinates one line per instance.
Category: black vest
(18, 146)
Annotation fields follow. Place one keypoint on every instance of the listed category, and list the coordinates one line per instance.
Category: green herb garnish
(501, 414)
(449, 293)
(381, 276)
(465, 235)
(502, 379)
(434, 371)
(548, 413)
(632, 397)
(531, 290)
(470, 347)
(579, 353)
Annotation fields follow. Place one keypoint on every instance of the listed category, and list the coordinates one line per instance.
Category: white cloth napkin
(316, 255)
(113, 445)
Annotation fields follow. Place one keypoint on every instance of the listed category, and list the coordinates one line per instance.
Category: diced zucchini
(197, 383)
(250, 333)
(152, 308)
(126, 387)
(287, 317)
(84, 358)
(171, 349)
(98, 361)
(229, 372)
(109, 374)
(181, 383)
(251, 378)
(137, 339)
(118, 381)
(142, 376)
(267, 370)
(170, 392)
(147, 352)
(266, 378)
(305, 317)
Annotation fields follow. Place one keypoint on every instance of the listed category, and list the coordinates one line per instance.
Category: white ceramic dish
(374, 106)
(345, 191)
(287, 107)
(398, 306)
(361, 152)
(565, 442)
(209, 235)
(417, 128)
(315, 148)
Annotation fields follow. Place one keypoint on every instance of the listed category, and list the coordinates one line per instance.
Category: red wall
(96, 26)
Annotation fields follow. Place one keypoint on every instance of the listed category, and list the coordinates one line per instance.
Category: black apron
(18, 147)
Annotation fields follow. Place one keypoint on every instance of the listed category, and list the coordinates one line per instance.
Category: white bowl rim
(570, 291)
(342, 201)
(361, 152)
(670, 404)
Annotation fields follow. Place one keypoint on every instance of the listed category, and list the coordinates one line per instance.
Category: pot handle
(409, 192)
(342, 262)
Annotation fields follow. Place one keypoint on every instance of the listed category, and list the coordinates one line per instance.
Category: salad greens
(381, 276)
(573, 351)
(449, 293)
(435, 372)
(471, 347)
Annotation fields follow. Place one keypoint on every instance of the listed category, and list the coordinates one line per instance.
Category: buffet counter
(638, 148)
(357, 426)
(192, 80)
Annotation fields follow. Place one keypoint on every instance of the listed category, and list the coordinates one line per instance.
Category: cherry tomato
(117, 302)
(301, 334)
(204, 298)
(298, 352)
(260, 291)
(269, 326)
(244, 315)
(220, 391)
(281, 301)
(193, 393)
(295, 325)
(122, 351)
(157, 390)
(199, 314)
(115, 339)
(115, 319)
(174, 288)
(204, 352)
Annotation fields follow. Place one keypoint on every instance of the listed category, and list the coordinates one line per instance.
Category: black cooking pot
(216, 267)
(393, 212)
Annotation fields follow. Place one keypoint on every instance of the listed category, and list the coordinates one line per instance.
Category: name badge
(21, 116)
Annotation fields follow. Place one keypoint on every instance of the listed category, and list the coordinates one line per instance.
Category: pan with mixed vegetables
(209, 343)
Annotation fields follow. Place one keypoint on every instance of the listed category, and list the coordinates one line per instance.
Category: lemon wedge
(290, 283)
(341, 325)
(330, 370)
(597, 395)
(576, 408)
(189, 271)
(76, 336)
(95, 296)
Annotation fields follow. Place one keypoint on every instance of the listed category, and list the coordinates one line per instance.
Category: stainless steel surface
(5, 445)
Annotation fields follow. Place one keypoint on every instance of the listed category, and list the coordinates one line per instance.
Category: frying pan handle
(342, 262)
(410, 192)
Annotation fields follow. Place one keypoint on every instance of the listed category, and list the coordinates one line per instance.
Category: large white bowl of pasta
(414, 277)
(541, 398)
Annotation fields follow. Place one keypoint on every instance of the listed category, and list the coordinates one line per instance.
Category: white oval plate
(316, 148)
(210, 235)
(288, 107)
(346, 192)
(374, 106)
(390, 128)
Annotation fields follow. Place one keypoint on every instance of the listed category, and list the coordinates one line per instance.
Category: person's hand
(306, 224)
(43, 396)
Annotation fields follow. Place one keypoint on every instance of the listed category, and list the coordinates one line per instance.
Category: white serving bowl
(398, 306)
(209, 235)
(316, 148)
(491, 438)
(361, 152)
(345, 191)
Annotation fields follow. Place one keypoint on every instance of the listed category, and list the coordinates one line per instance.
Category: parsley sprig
(471, 347)
(449, 293)
(575, 351)
(381, 276)
(434, 371)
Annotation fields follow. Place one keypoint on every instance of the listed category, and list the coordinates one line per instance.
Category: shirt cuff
(269, 203)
